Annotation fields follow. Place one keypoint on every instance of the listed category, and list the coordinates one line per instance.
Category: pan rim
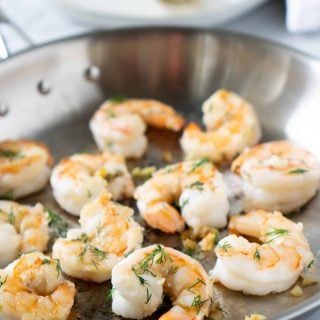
(149, 29)
(314, 301)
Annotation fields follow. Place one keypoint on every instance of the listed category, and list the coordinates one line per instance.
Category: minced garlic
(167, 156)
(101, 173)
(207, 243)
(255, 316)
(145, 172)
(296, 291)
(189, 244)
(308, 280)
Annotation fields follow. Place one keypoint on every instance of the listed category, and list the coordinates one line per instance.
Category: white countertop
(42, 24)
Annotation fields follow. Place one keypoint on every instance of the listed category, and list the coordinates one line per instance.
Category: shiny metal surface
(181, 67)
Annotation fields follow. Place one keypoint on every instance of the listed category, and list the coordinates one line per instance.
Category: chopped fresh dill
(184, 203)
(157, 256)
(195, 284)
(58, 267)
(257, 255)
(2, 282)
(89, 194)
(11, 217)
(95, 263)
(58, 225)
(83, 238)
(117, 99)
(45, 261)
(275, 233)
(224, 246)
(298, 171)
(8, 195)
(199, 163)
(149, 295)
(111, 114)
(197, 303)
(173, 269)
(97, 254)
(142, 281)
(310, 264)
(10, 154)
(109, 294)
(197, 185)
(99, 229)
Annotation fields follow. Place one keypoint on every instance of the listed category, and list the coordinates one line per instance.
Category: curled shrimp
(277, 176)
(79, 179)
(140, 280)
(33, 288)
(231, 124)
(259, 269)
(24, 168)
(107, 234)
(22, 229)
(200, 190)
(119, 127)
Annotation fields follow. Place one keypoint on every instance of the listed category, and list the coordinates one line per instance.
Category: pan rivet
(92, 73)
(44, 87)
(4, 108)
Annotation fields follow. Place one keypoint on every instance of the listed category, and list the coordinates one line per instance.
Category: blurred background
(24, 23)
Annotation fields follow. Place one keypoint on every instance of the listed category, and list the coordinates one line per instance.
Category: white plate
(196, 12)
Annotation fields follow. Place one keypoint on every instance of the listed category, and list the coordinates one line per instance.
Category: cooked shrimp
(79, 179)
(107, 234)
(231, 123)
(277, 176)
(140, 280)
(259, 269)
(120, 126)
(33, 289)
(22, 229)
(24, 168)
(201, 191)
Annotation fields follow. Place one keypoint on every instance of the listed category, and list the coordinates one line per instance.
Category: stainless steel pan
(50, 93)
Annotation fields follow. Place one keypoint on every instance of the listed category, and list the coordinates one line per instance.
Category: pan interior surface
(52, 91)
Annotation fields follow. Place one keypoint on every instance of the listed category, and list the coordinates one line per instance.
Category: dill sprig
(109, 294)
(197, 184)
(3, 281)
(199, 281)
(10, 154)
(8, 195)
(11, 217)
(275, 233)
(183, 203)
(224, 246)
(157, 256)
(298, 171)
(45, 261)
(197, 303)
(97, 254)
(199, 163)
(117, 99)
(58, 267)
(149, 295)
(310, 264)
(257, 255)
(173, 269)
(58, 225)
